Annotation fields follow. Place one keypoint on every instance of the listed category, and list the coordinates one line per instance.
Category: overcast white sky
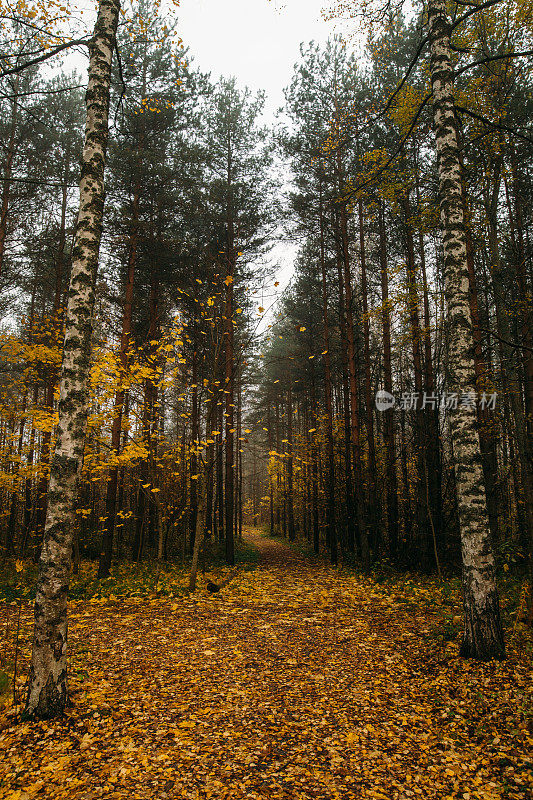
(257, 41)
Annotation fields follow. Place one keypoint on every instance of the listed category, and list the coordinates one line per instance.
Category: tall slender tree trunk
(229, 384)
(483, 635)
(51, 378)
(509, 367)
(359, 493)
(238, 459)
(13, 513)
(28, 483)
(8, 169)
(388, 421)
(289, 469)
(47, 684)
(526, 298)
(331, 530)
(422, 511)
(278, 471)
(270, 481)
(432, 465)
(220, 475)
(374, 497)
(199, 538)
(352, 533)
(125, 339)
(195, 427)
(210, 472)
(487, 438)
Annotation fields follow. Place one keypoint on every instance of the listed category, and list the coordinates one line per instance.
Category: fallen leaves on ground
(296, 681)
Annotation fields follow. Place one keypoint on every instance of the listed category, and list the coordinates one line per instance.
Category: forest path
(296, 681)
(275, 552)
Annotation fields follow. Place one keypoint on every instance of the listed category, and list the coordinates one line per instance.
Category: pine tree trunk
(423, 543)
(526, 309)
(47, 685)
(195, 428)
(210, 472)
(199, 538)
(219, 514)
(509, 368)
(483, 636)
(388, 414)
(278, 471)
(270, 481)
(8, 168)
(331, 531)
(433, 464)
(359, 493)
(229, 474)
(112, 482)
(352, 532)
(373, 494)
(314, 457)
(28, 488)
(289, 468)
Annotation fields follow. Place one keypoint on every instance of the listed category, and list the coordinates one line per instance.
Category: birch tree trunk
(483, 636)
(47, 684)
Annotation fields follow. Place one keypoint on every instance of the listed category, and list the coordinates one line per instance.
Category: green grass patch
(127, 579)
(5, 682)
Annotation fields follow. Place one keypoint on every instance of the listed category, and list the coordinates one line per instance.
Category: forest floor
(296, 681)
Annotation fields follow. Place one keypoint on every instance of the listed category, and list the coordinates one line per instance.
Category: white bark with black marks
(47, 685)
(482, 637)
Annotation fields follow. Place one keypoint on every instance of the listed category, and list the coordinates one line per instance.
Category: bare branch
(474, 10)
(495, 125)
(44, 56)
(492, 58)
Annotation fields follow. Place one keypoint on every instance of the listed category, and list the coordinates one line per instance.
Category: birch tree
(482, 635)
(47, 685)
